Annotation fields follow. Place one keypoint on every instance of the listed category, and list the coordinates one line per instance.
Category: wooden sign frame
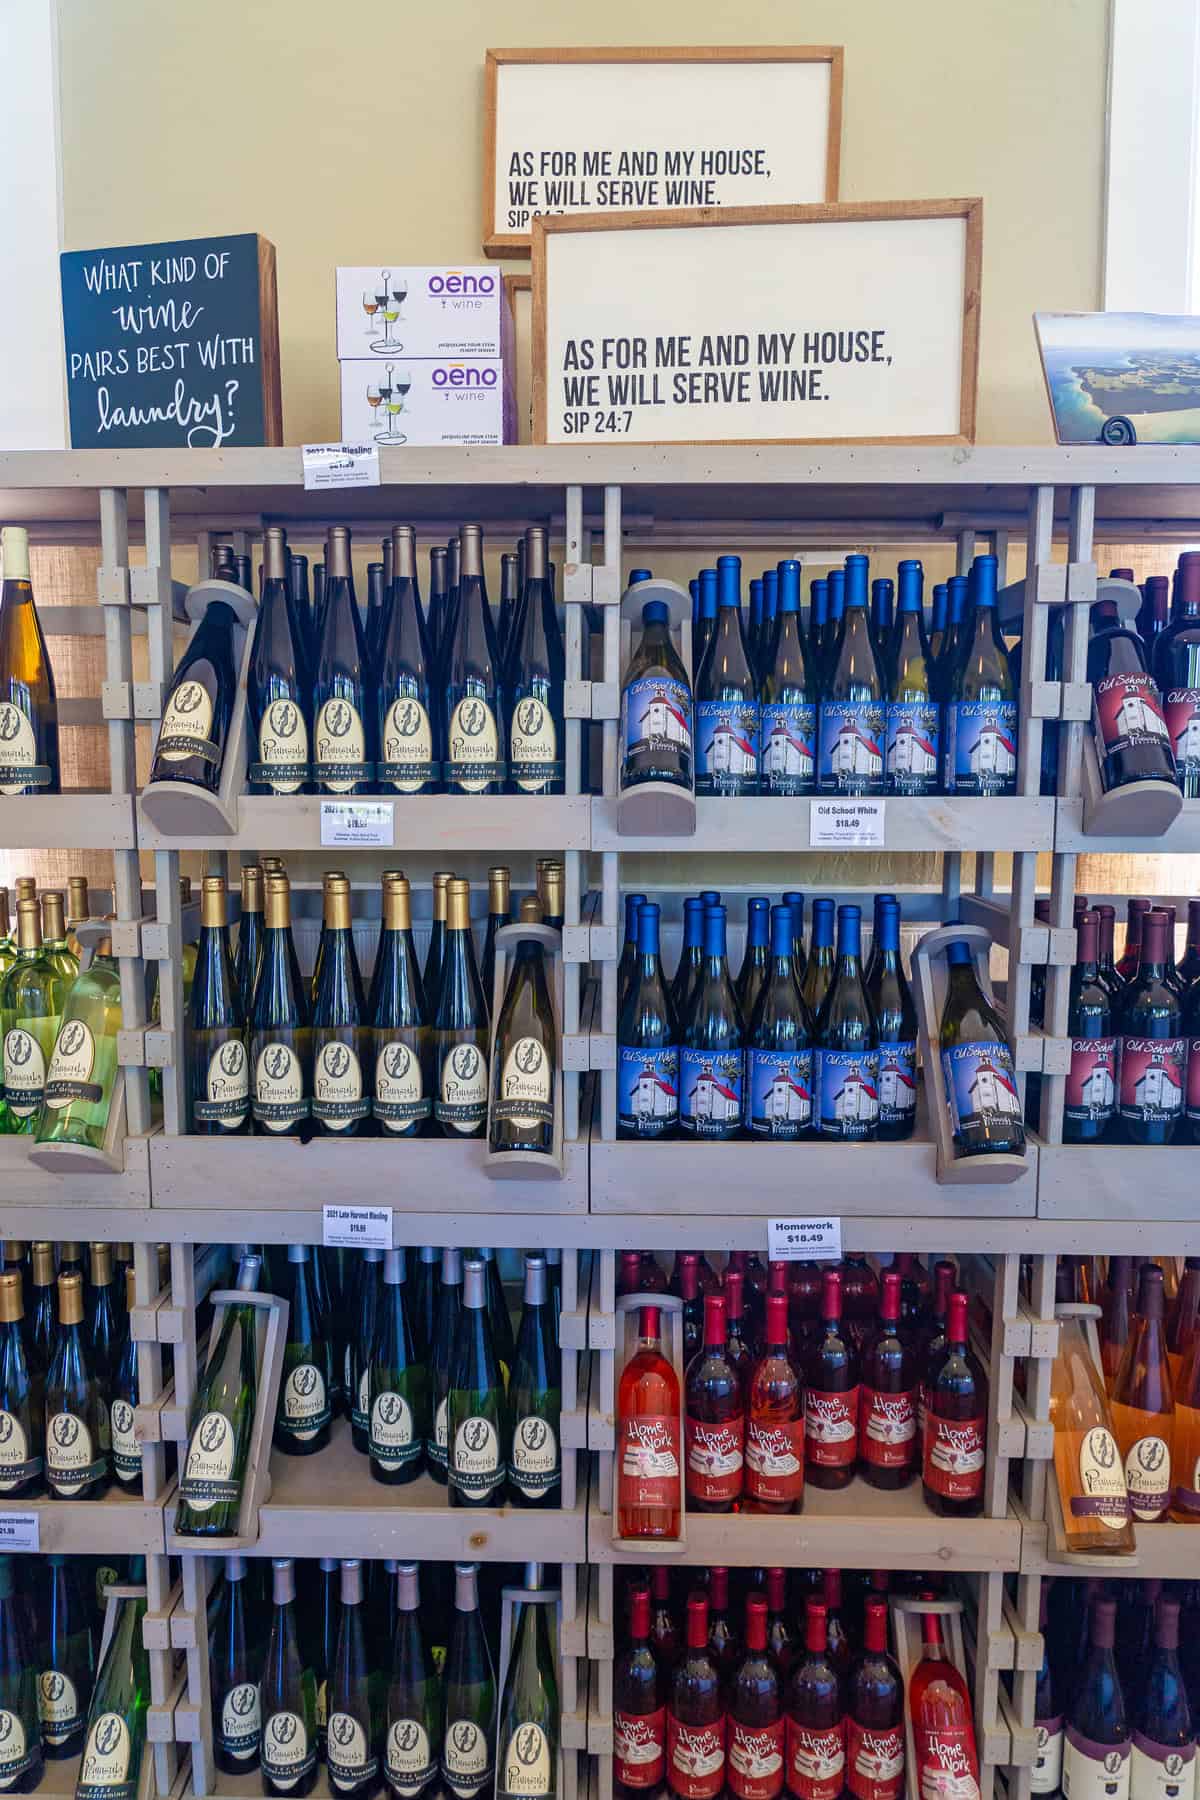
(497, 243)
(970, 210)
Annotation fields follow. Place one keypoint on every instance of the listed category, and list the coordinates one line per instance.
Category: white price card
(340, 466)
(804, 1240)
(19, 1531)
(356, 1227)
(845, 824)
(358, 822)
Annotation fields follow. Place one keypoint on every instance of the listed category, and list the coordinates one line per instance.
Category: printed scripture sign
(580, 131)
(173, 345)
(765, 325)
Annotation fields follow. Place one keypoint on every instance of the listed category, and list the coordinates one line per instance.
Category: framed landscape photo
(620, 130)
(1121, 378)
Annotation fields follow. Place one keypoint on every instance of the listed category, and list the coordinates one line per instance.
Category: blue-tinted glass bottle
(728, 711)
(846, 1063)
(647, 1044)
(710, 1056)
(779, 1047)
(789, 699)
(852, 718)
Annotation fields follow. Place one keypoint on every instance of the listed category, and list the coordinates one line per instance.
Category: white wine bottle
(527, 1737)
(352, 1738)
(406, 672)
(289, 1701)
(116, 1729)
(22, 1410)
(477, 1415)
(67, 1663)
(469, 1745)
(399, 1387)
(535, 1395)
(31, 1002)
(341, 1035)
(55, 948)
(277, 682)
(525, 1063)
(21, 1765)
(234, 1676)
(218, 1072)
(280, 1037)
(302, 1420)
(341, 754)
(122, 1412)
(471, 674)
(402, 1052)
(460, 1027)
(415, 1708)
(445, 1337)
(83, 1067)
(210, 1488)
(28, 701)
(77, 1429)
(366, 1294)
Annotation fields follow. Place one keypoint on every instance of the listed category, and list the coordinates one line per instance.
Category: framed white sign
(849, 324)
(604, 131)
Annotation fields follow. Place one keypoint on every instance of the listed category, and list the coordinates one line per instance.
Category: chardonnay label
(647, 1091)
(912, 757)
(780, 1092)
(534, 1464)
(1152, 1077)
(1148, 1478)
(282, 749)
(186, 728)
(72, 1459)
(126, 1451)
(104, 1773)
(727, 733)
(241, 1721)
(710, 1093)
(847, 1088)
(58, 1707)
(16, 1464)
(340, 748)
(524, 1099)
(789, 740)
(409, 1761)
(393, 1445)
(400, 1098)
(462, 1101)
(348, 1753)
(466, 1766)
(226, 1099)
(475, 1466)
(1094, 1771)
(851, 738)
(981, 747)
(1104, 1495)
(656, 732)
(24, 1072)
(474, 746)
(287, 1751)
(19, 765)
(279, 1088)
(526, 1768)
(407, 747)
(338, 1098)
(208, 1470)
(304, 1403)
(533, 746)
(17, 1754)
(71, 1063)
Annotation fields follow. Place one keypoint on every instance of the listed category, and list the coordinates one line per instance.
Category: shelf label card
(845, 824)
(19, 1531)
(356, 1227)
(358, 823)
(803, 1240)
(340, 466)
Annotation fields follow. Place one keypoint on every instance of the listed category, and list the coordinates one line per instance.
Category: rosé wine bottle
(754, 1764)
(696, 1715)
(887, 1429)
(816, 1728)
(775, 1427)
(649, 1497)
(639, 1709)
(831, 1396)
(956, 1424)
(875, 1715)
(715, 1424)
(943, 1727)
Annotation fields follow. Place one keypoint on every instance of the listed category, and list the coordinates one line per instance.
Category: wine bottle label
(1127, 714)
(526, 1767)
(1148, 1478)
(408, 1759)
(898, 1082)
(338, 1098)
(640, 1748)
(186, 728)
(407, 747)
(1182, 709)
(830, 1428)
(534, 1467)
(946, 1762)
(696, 1755)
(816, 1760)
(105, 1772)
(1103, 1494)
(953, 1460)
(887, 1429)
(126, 1451)
(279, 1088)
(1161, 1771)
(226, 1099)
(648, 1452)
(393, 1445)
(1094, 1771)
(874, 1761)
(288, 1753)
(847, 1089)
(348, 1754)
(656, 732)
(1046, 1774)
(789, 747)
(981, 747)
(647, 1090)
(304, 1403)
(19, 764)
(475, 1462)
(341, 747)
(58, 1707)
(322, 1712)
(19, 1751)
(1091, 1090)
(208, 1471)
(473, 743)
(780, 1090)
(524, 1099)
(24, 1072)
(282, 749)
(72, 1060)
(851, 747)
(714, 1459)
(438, 1446)
(1187, 1499)
(73, 1461)
(241, 1721)
(1152, 1074)
(16, 1464)
(727, 733)
(755, 1760)
(462, 1100)
(981, 1089)
(775, 1460)
(400, 1098)
(710, 1093)
(533, 746)
(466, 1760)
(912, 758)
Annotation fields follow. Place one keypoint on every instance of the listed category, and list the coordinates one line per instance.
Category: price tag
(845, 824)
(19, 1531)
(358, 822)
(340, 466)
(804, 1240)
(356, 1227)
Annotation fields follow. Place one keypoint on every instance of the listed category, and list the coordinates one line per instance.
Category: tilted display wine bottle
(852, 714)
(533, 688)
(28, 699)
(415, 1707)
(528, 1724)
(648, 1041)
(728, 709)
(31, 1002)
(210, 1485)
(278, 683)
(656, 709)
(896, 1027)
(711, 1088)
(66, 1660)
(22, 1399)
(115, 1742)
(398, 1386)
(1132, 739)
(407, 702)
(981, 699)
(280, 1037)
(1152, 1048)
(218, 1070)
(942, 1719)
(460, 1027)
(198, 704)
(341, 757)
(288, 1696)
(535, 1399)
(1175, 661)
(477, 1434)
(303, 1417)
(846, 1046)
(471, 678)
(469, 1744)
(78, 1459)
(234, 1673)
(911, 762)
(789, 699)
(352, 1736)
(977, 1064)
(341, 1031)
(21, 1766)
(525, 1060)
(446, 1335)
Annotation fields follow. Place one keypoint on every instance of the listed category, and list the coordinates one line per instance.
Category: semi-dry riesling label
(524, 1099)
(226, 1100)
(279, 1087)
(400, 1098)
(462, 1101)
(338, 1098)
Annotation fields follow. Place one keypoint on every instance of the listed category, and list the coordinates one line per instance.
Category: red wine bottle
(639, 1708)
(715, 1423)
(1152, 1047)
(1176, 663)
(1106, 968)
(831, 1399)
(665, 1635)
(1046, 1774)
(933, 1343)
(816, 1727)
(1189, 962)
(956, 1424)
(737, 1346)
(1096, 1754)
(1132, 741)
(875, 1715)
(722, 1638)
(1091, 1084)
(781, 1641)
(775, 1429)
(804, 1302)
(887, 1429)
(1164, 1749)
(837, 1638)
(943, 1728)
(685, 1281)
(696, 1715)
(1135, 912)
(756, 1723)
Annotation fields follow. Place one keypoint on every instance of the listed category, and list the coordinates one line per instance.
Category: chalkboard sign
(173, 345)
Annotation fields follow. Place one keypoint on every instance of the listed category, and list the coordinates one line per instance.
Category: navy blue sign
(173, 345)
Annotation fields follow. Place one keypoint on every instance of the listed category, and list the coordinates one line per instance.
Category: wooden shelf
(23, 1182)
(67, 822)
(1140, 1184)
(508, 822)
(1169, 1552)
(1180, 838)
(118, 1525)
(782, 826)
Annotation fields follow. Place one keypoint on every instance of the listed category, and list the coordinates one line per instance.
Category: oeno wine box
(388, 311)
(469, 401)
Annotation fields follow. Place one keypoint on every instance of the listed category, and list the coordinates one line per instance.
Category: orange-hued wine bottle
(1185, 1446)
(943, 1726)
(1184, 1314)
(649, 1497)
(1087, 1462)
(1143, 1403)
(1116, 1306)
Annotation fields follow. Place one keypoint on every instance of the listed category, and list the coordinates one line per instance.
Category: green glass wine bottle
(277, 688)
(533, 689)
(67, 1661)
(527, 1736)
(218, 1071)
(406, 708)
(55, 947)
(415, 1707)
(423, 1299)
(341, 753)
(31, 1002)
(431, 973)
(234, 1672)
(525, 1063)
(210, 1487)
(399, 1386)
(499, 1317)
(21, 1766)
(77, 1431)
(28, 700)
(499, 915)
(460, 1027)
(352, 1742)
(111, 1766)
(341, 1035)
(402, 1048)
(280, 1036)
(475, 762)
(288, 1697)
(22, 1398)
(102, 1327)
(302, 1420)
(43, 1320)
(126, 1450)
(79, 911)
(83, 1067)
(469, 1745)
(320, 1635)
(477, 1414)
(535, 1398)
(445, 1337)
(361, 1345)
(198, 704)
(248, 961)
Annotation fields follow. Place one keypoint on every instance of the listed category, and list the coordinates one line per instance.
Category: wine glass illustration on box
(392, 392)
(389, 296)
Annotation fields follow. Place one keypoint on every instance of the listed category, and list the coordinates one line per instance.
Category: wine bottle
(21, 1766)
(913, 737)
(891, 1002)
(277, 683)
(353, 1729)
(1135, 912)
(939, 1709)
(816, 1727)
(955, 1423)
(499, 915)
(775, 1421)
(77, 1097)
(789, 698)
(414, 1710)
(887, 1431)
(402, 1059)
(648, 1041)
(302, 1420)
(406, 702)
(360, 1345)
(248, 960)
(28, 699)
(319, 1631)
(527, 1733)
(1143, 1404)
(696, 1720)
(656, 708)
(756, 961)
(1046, 1774)
(525, 1060)
(714, 1423)
(210, 1487)
(639, 1707)
(469, 1743)
(476, 1415)
(219, 1080)
(341, 1032)
(1087, 1462)
(533, 688)
(981, 699)
(460, 1027)
(649, 1499)
(446, 1333)
(1097, 1747)
(1175, 661)
(288, 1696)
(756, 1724)
(1132, 739)
(690, 967)
(818, 620)
(341, 694)
(1183, 1316)
(398, 1386)
(874, 1715)
(1151, 1048)
(1090, 1100)
(834, 613)
(818, 974)
(66, 1669)
(198, 704)
(55, 948)
(423, 1300)
(22, 1398)
(115, 1741)
(43, 1324)
(431, 974)
(977, 1065)
(535, 1395)
(779, 1055)
(710, 1057)
(31, 1002)
(831, 1402)
(952, 640)
(472, 679)
(101, 1331)
(300, 608)
(728, 710)
(852, 704)
(846, 1054)
(78, 1463)
(281, 1038)
(1162, 1762)
(234, 1676)
(706, 619)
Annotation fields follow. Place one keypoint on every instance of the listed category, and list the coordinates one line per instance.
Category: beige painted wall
(346, 133)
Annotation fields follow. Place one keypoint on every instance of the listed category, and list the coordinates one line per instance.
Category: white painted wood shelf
(1167, 1552)
(67, 822)
(434, 822)
(1181, 838)
(1131, 1183)
(118, 1525)
(950, 823)
(22, 1182)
